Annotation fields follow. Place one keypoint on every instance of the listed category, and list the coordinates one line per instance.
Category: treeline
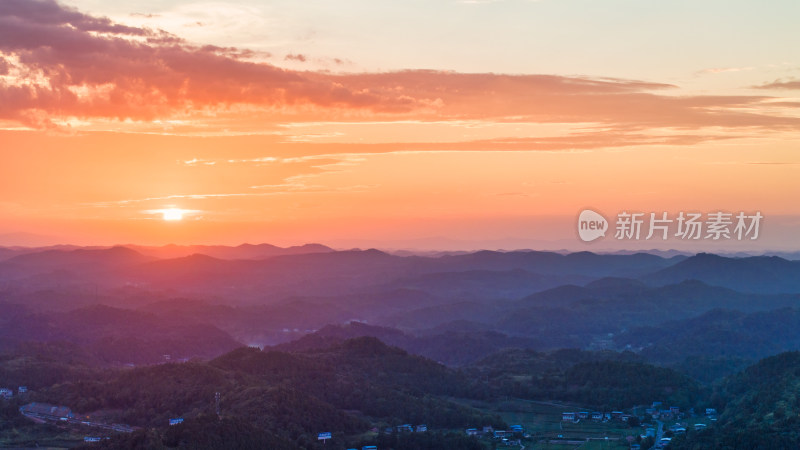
(719, 333)
(602, 380)
(282, 400)
(202, 433)
(347, 389)
(39, 365)
(209, 433)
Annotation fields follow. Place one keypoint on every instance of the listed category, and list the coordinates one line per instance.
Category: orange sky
(104, 125)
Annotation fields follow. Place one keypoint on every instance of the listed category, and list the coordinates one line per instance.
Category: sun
(172, 214)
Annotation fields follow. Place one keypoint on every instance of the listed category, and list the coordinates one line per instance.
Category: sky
(439, 124)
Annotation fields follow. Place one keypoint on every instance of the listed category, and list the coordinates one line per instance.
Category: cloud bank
(57, 62)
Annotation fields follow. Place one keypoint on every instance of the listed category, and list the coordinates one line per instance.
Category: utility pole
(216, 400)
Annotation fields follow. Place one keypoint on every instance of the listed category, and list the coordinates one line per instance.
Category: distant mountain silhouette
(78, 258)
(583, 263)
(243, 251)
(762, 274)
(512, 283)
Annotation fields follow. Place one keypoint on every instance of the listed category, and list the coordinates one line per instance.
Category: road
(40, 418)
(659, 434)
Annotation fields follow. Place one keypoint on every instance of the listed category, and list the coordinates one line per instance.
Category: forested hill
(759, 408)
(346, 389)
(603, 380)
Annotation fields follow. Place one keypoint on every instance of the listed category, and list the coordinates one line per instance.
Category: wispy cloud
(196, 161)
(716, 70)
(300, 183)
(257, 191)
(259, 160)
(781, 84)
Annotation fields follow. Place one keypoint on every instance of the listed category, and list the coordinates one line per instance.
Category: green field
(542, 420)
(545, 446)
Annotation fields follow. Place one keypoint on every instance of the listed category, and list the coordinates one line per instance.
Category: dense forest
(283, 399)
(601, 380)
(289, 398)
(760, 408)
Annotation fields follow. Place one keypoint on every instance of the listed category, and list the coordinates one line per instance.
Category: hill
(452, 348)
(758, 406)
(118, 336)
(574, 316)
(719, 333)
(345, 389)
(758, 274)
(603, 380)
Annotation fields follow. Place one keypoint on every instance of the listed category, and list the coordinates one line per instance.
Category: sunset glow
(348, 129)
(173, 214)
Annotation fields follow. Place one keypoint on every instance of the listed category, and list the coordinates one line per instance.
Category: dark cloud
(138, 78)
(295, 57)
(50, 13)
